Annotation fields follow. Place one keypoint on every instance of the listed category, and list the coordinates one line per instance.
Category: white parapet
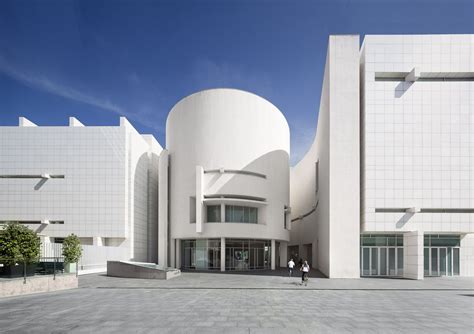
(73, 122)
(24, 122)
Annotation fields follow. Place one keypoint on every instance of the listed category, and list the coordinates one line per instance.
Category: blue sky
(97, 60)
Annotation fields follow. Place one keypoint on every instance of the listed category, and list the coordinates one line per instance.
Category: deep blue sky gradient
(96, 60)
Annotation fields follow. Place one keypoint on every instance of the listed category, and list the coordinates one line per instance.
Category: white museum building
(385, 190)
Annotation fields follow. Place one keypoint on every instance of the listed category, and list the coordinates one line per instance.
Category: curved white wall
(233, 130)
(327, 219)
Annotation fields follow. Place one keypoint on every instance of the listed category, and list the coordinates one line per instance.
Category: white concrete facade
(325, 183)
(416, 181)
(228, 148)
(386, 188)
(98, 182)
(417, 144)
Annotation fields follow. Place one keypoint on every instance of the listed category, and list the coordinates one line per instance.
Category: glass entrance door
(382, 261)
(441, 261)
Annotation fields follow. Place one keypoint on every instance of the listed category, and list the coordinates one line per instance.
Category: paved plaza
(270, 304)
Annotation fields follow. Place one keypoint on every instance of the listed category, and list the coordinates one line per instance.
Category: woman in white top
(305, 269)
(291, 265)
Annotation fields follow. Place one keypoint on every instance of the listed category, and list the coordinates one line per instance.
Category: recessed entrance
(441, 255)
(381, 255)
(441, 261)
(382, 261)
(247, 254)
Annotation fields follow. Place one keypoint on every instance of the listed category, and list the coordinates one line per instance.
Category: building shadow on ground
(279, 272)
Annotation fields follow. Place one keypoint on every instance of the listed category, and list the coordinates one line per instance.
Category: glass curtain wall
(381, 255)
(201, 254)
(441, 255)
(244, 254)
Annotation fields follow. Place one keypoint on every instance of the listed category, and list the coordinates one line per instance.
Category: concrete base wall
(131, 270)
(10, 287)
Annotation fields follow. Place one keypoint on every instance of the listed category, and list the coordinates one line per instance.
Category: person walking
(291, 265)
(305, 270)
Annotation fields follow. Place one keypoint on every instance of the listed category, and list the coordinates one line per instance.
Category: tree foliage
(72, 250)
(18, 244)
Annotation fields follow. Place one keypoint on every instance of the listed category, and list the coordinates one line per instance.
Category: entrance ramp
(146, 270)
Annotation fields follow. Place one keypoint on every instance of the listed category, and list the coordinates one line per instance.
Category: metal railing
(41, 266)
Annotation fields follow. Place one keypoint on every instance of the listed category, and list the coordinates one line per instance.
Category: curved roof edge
(231, 89)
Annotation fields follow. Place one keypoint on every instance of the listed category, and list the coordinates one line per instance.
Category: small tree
(72, 250)
(18, 243)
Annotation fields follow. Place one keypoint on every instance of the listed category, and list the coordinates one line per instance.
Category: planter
(14, 271)
(70, 267)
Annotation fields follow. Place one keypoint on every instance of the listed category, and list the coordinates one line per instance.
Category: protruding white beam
(23, 122)
(413, 75)
(73, 121)
(98, 241)
(413, 210)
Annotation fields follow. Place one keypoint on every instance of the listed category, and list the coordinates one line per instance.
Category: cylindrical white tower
(228, 180)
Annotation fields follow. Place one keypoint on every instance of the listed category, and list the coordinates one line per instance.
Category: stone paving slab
(90, 310)
(278, 281)
(235, 303)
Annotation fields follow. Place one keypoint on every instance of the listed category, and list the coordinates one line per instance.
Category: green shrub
(18, 243)
(72, 250)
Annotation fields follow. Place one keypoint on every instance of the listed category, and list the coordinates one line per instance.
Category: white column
(45, 239)
(342, 190)
(172, 253)
(199, 198)
(178, 253)
(413, 255)
(222, 254)
(273, 254)
(163, 208)
(222, 213)
(97, 241)
(283, 253)
(466, 256)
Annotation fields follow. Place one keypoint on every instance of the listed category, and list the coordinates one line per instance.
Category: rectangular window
(241, 214)
(58, 240)
(213, 213)
(436, 240)
(192, 210)
(381, 240)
